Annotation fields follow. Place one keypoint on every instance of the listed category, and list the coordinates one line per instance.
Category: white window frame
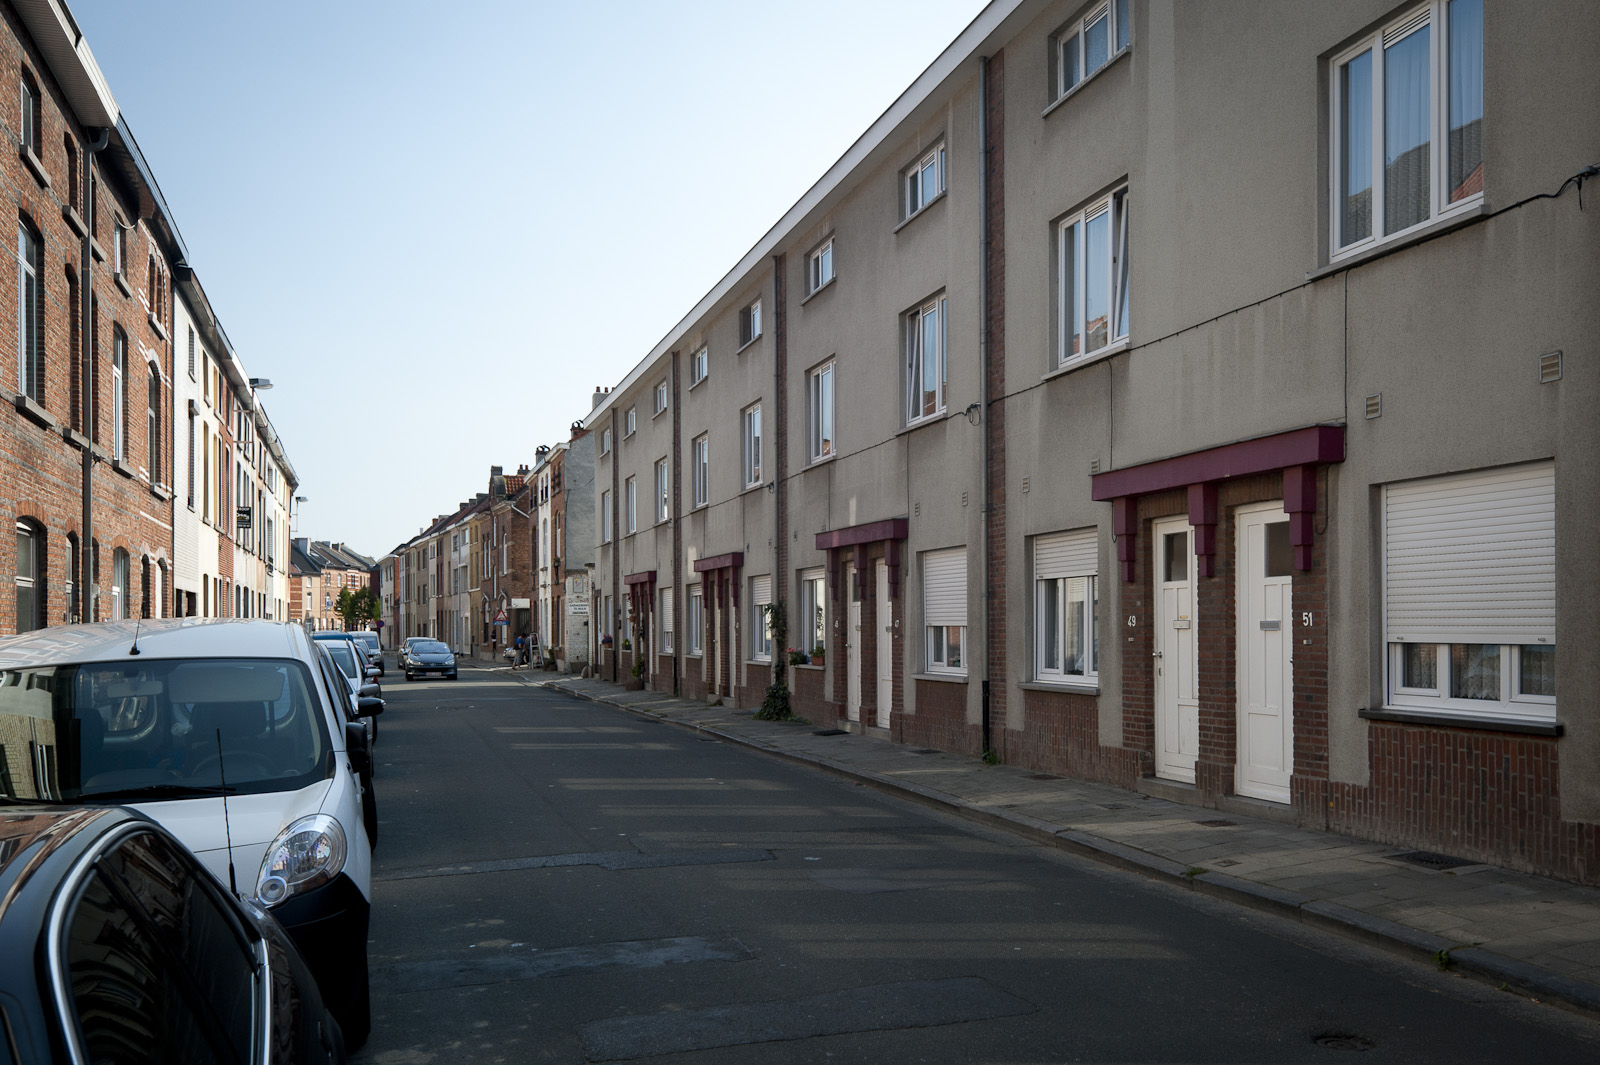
(1485, 583)
(1075, 272)
(819, 267)
(660, 396)
(664, 622)
(28, 582)
(605, 516)
(945, 574)
(813, 609)
(1072, 45)
(699, 366)
(694, 620)
(630, 422)
(1433, 16)
(605, 440)
(750, 433)
(1059, 560)
(30, 347)
(700, 463)
(30, 116)
(663, 490)
(121, 569)
(750, 324)
(820, 413)
(630, 506)
(922, 182)
(760, 626)
(119, 395)
(916, 358)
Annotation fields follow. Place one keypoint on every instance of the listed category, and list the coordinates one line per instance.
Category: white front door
(885, 646)
(1266, 679)
(1175, 649)
(852, 659)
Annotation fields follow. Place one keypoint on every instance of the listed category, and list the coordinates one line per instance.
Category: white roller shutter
(944, 587)
(1471, 558)
(760, 590)
(666, 619)
(1069, 554)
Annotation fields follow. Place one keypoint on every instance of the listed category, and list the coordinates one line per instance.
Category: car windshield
(160, 729)
(368, 638)
(343, 656)
(430, 647)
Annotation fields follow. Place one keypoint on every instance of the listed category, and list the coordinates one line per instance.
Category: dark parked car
(138, 954)
(429, 656)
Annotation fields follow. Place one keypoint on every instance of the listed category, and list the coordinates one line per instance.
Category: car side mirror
(368, 690)
(372, 671)
(355, 747)
(368, 706)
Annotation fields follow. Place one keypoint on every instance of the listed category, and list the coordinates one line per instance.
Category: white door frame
(1175, 647)
(885, 646)
(1264, 607)
(852, 635)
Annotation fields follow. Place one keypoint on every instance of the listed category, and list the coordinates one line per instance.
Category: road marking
(612, 860)
(886, 1007)
(534, 964)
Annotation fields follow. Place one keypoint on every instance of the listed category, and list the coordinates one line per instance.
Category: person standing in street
(517, 661)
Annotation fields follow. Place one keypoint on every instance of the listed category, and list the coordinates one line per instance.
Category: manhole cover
(1043, 776)
(1430, 860)
(830, 732)
(1226, 862)
(1342, 1041)
(1217, 824)
(1113, 806)
(927, 750)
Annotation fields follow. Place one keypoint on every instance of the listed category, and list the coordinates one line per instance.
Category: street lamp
(293, 514)
(260, 384)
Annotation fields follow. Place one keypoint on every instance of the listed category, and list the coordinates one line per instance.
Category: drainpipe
(86, 378)
(983, 352)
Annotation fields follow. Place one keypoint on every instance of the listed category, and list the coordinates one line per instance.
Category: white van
(232, 735)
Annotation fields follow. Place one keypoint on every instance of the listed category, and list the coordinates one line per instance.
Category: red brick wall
(1061, 734)
(754, 691)
(940, 720)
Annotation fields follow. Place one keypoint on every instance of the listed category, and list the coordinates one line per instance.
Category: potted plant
(819, 655)
(636, 681)
(797, 657)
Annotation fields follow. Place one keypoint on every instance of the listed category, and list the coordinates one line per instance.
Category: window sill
(1088, 360)
(35, 165)
(923, 423)
(1070, 93)
(122, 285)
(161, 492)
(122, 467)
(758, 661)
(942, 678)
(696, 384)
(747, 489)
(155, 323)
(920, 211)
(96, 250)
(658, 414)
(1411, 237)
(823, 460)
(749, 343)
(1489, 724)
(808, 665)
(1065, 687)
(74, 220)
(819, 290)
(29, 408)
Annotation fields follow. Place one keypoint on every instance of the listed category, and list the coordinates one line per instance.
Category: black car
(429, 656)
(138, 954)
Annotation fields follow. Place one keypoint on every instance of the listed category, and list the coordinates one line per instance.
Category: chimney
(599, 397)
(496, 471)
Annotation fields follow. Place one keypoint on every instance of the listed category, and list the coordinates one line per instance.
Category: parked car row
(242, 748)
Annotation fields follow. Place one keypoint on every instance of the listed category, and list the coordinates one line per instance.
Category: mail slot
(1271, 626)
(1180, 623)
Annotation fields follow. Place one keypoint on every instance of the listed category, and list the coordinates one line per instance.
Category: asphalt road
(562, 881)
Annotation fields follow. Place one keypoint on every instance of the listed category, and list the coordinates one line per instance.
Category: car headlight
(306, 855)
(450, 661)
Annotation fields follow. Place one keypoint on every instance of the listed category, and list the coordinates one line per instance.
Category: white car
(231, 734)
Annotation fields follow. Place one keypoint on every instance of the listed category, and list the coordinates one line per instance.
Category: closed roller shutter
(1471, 558)
(944, 587)
(1069, 554)
(760, 590)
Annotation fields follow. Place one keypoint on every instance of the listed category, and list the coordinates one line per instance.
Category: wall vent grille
(1549, 367)
(1375, 405)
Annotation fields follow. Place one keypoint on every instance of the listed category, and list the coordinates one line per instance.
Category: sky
(436, 228)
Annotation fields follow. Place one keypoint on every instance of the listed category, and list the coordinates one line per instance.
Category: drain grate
(1430, 860)
(830, 732)
(1043, 776)
(1217, 824)
(927, 750)
(1113, 806)
(1342, 1041)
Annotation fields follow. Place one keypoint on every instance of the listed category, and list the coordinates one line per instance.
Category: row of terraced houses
(138, 466)
(1195, 397)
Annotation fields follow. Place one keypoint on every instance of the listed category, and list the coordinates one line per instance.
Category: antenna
(137, 624)
(222, 773)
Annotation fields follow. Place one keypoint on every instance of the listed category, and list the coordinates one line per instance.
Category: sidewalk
(1536, 934)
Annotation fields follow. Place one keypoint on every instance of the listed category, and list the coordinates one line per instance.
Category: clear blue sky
(437, 227)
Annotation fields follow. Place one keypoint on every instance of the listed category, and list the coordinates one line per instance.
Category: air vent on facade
(1394, 33)
(1549, 367)
(1094, 466)
(916, 510)
(963, 499)
(1025, 484)
(1375, 405)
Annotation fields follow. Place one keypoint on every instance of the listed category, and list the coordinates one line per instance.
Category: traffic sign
(500, 618)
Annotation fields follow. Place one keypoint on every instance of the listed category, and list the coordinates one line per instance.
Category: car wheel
(356, 1024)
(455, 676)
(409, 676)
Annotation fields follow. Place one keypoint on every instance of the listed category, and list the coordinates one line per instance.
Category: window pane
(930, 180)
(930, 362)
(1097, 279)
(1537, 671)
(1069, 62)
(1071, 325)
(1096, 44)
(1406, 145)
(1466, 98)
(1049, 624)
(825, 419)
(1122, 24)
(1419, 666)
(1077, 648)
(1355, 149)
(953, 656)
(1279, 556)
(1177, 556)
(1475, 671)
(1121, 212)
